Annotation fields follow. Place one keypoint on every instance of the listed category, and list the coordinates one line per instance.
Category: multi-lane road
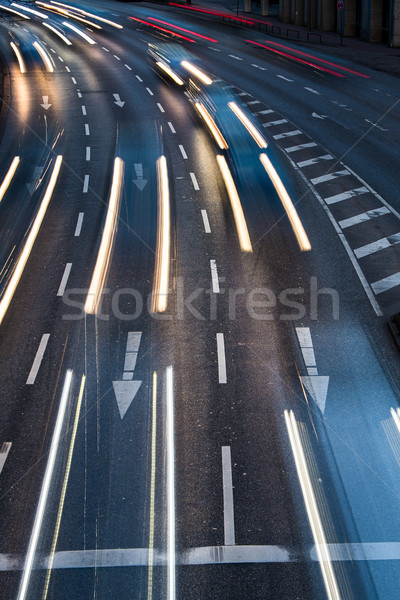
(200, 394)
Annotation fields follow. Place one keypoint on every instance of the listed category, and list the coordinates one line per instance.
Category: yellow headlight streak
(44, 56)
(69, 14)
(10, 174)
(16, 276)
(30, 10)
(44, 492)
(196, 72)
(240, 221)
(161, 270)
(314, 518)
(212, 126)
(19, 57)
(64, 489)
(106, 245)
(11, 10)
(169, 72)
(79, 32)
(84, 12)
(248, 124)
(60, 35)
(288, 205)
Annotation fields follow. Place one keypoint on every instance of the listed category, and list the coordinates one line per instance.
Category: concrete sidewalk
(375, 56)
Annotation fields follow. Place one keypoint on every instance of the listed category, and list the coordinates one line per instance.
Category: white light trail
(10, 174)
(161, 271)
(44, 56)
(60, 35)
(248, 124)
(79, 32)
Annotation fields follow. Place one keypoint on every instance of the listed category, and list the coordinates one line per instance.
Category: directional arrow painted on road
(118, 100)
(317, 116)
(317, 387)
(125, 392)
(139, 181)
(45, 104)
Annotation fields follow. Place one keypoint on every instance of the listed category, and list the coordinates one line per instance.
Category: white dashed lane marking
(194, 181)
(183, 151)
(172, 128)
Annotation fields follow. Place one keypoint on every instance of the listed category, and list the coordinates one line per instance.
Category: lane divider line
(221, 358)
(64, 279)
(38, 359)
(229, 518)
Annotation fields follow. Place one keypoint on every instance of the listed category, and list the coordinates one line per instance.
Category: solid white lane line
(5, 449)
(206, 222)
(128, 67)
(273, 123)
(381, 244)
(87, 131)
(37, 526)
(172, 128)
(160, 107)
(38, 359)
(300, 147)
(183, 152)
(73, 80)
(361, 276)
(64, 279)
(229, 518)
(281, 136)
(314, 161)
(86, 184)
(312, 91)
(79, 225)
(87, 152)
(221, 358)
(214, 276)
(171, 525)
(150, 92)
(139, 78)
(363, 217)
(84, 110)
(346, 195)
(329, 176)
(386, 284)
(194, 181)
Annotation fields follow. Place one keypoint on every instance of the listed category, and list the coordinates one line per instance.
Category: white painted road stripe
(314, 161)
(386, 284)
(221, 358)
(258, 67)
(253, 102)
(150, 92)
(117, 57)
(363, 217)
(206, 222)
(205, 555)
(73, 80)
(281, 136)
(160, 107)
(194, 181)
(5, 449)
(235, 57)
(87, 131)
(79, 225)
(68, 69)
(285, 78)
(229, 519)
(312, 91)
(273, 123)
(38, 359)
(64, 279)
(329, 176)
(300, 147)
(86, 184)
(346, 195)
(214, 277)
(172, 128)
(84, 110)
(183, 152)
(265, 112)
(309, 357)
(139, 78)
(381, 244)
(87, 152)
(79, 94)
(133, 342)
(304, 337)
(128, 67)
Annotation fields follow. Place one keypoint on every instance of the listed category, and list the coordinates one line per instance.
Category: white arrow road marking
(125, 391)
(317, 386)
(118, 100)
(45, 104)
(139, 181)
